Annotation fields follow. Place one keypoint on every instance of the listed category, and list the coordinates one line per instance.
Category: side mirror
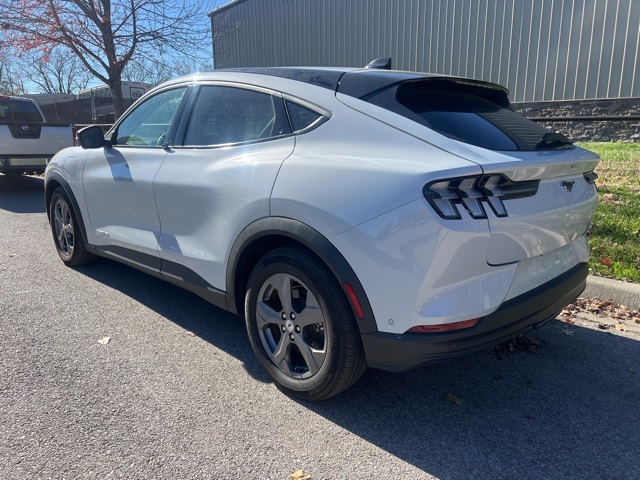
(92, 137)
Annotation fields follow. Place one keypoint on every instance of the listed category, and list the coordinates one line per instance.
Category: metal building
(541, 49)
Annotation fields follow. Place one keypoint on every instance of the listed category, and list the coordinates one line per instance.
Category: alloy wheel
(291, 326)
(63, 225)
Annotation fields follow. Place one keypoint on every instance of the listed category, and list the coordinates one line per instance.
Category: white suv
(354, 216)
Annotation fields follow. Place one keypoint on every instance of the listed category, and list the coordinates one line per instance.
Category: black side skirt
(171, 272)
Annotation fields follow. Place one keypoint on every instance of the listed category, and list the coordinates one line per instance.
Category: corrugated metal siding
(540, 49)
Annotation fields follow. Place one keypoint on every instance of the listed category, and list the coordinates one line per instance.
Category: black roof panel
(321, 77)
(356, 82)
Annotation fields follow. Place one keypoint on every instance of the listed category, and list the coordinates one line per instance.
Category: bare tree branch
(58, 73)
(10, 82)
(107, 35)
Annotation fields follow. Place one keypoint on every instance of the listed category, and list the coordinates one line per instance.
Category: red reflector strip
(354, 301)
(444, 327)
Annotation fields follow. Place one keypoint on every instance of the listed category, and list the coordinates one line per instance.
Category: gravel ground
(175, 393)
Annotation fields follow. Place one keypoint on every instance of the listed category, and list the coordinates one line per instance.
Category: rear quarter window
(465, 114)
(302, 117)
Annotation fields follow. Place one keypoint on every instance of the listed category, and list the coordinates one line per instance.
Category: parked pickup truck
(27, 141)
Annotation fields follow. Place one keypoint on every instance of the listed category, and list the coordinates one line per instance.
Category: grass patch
(614, 237)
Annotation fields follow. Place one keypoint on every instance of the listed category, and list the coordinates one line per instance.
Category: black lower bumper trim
(401, 352)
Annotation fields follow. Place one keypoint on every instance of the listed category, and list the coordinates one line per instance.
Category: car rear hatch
(535, 202)
(536, 190)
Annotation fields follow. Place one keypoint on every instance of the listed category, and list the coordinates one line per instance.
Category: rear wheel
(66, 234)
(301, 326)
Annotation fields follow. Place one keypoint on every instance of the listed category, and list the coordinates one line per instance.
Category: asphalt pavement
(175, 393)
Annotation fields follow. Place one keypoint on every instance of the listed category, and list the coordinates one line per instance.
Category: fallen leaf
(104, 340)
(606, 261)
(299, 475)
(517, 344)
(450, 397)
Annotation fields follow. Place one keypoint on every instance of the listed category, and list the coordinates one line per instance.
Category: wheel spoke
(281, 352)
(283, 287)
(267, 315)
(57, 214)
(68, 240)
(310, 316)
(312, 357)
(65, 212)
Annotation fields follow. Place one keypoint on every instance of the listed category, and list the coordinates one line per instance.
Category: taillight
(473, 193)
(444, 327)
(74, 132)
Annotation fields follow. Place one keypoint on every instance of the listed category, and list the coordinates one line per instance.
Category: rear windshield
(467, 114)
(18, 111)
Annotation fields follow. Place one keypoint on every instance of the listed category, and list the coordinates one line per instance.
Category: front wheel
(301, 326)
(66, 231)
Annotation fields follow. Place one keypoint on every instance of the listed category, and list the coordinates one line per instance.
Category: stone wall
(591, 130)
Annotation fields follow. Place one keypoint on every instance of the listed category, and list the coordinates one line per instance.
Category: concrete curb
(627, 294)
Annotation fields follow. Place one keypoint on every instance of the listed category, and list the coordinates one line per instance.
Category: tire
(66, 231)
(301, 326)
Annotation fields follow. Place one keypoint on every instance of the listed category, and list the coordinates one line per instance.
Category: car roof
(355, 82)
(343, 80)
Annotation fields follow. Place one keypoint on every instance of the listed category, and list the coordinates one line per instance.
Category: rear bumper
(398, 353)
(23, 163)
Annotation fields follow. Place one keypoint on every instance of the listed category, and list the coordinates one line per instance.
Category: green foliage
(614, 237)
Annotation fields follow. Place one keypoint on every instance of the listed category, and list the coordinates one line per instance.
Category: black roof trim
(326, 78)
(355, 82)
(359, 82)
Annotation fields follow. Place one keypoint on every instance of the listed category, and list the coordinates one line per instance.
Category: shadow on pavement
(571, 410)
(214, 325)
(22, 194)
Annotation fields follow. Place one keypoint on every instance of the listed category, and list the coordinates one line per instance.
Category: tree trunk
(118, 102)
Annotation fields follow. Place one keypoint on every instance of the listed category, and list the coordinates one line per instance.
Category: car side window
(224, 115)
(302, 117)
(150, 122)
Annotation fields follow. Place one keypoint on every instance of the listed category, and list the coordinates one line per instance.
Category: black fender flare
(290, 232)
